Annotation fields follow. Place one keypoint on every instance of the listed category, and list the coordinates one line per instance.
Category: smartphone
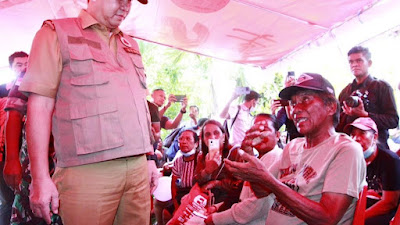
(282, 102)
(213, 146)
(290, 78)
(242, 90)
(179, 98)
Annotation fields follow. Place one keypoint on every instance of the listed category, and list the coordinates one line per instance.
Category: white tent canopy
(245, 31)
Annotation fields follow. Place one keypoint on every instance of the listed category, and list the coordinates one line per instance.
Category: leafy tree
(179, 72)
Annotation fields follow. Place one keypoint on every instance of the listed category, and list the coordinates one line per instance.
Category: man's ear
(278, 134)
(376, 135)
(369, 63)
(332, 107)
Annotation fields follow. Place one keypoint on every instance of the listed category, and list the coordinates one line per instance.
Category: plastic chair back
(359, 214)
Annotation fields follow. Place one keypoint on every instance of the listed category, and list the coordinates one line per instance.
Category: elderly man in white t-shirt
(319, 177)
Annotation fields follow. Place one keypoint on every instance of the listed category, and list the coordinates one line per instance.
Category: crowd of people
(80, 142)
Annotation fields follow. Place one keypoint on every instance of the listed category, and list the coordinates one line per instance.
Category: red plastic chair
(359, 214)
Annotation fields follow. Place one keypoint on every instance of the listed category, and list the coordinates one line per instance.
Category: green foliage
(269, 92)
(179, 72)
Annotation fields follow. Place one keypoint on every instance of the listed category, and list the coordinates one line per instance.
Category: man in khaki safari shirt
(86, 85)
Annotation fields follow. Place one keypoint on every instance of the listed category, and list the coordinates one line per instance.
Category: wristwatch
(183, 112)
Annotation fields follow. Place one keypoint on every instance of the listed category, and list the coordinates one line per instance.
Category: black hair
(158, 89)
(204, 148)
(195, 137)
(252, 95)
(360, 49)
(20, 54)
(270, 117)
(329, 99)
(195, 106)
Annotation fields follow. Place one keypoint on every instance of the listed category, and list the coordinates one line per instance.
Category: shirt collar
(363, 84)
(244, 108)
(88, 20)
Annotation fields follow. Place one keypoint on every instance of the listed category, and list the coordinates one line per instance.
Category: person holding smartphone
(210, 172)
(263, 136)
(283, 115)
(239, 117)
(159, 98)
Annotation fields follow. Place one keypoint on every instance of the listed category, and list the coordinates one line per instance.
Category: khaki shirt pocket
(96, 125)
(138, 65)
(84, 60)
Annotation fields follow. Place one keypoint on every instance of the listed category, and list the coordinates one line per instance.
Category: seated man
(383, 172)
(319, 177)
(184, 165)
(252, 210)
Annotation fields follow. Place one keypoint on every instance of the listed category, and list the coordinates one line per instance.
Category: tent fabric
(255, 32)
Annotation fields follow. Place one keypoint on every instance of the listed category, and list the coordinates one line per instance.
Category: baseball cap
(362, 123)
(143, 1)
(307, 81)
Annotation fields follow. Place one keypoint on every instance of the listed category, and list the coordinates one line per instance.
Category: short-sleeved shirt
(383, 174)
(241, 124)
(163, 121)
(184, 170)
(336, 165)
(47, 57)
(154, 113)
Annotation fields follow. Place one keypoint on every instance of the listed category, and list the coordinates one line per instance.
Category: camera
(352, 101)
(242, 90)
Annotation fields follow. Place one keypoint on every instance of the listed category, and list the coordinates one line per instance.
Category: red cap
(362, 123)
(307, 81)
(143, 1)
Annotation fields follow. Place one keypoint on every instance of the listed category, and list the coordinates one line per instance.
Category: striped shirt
(184, 170)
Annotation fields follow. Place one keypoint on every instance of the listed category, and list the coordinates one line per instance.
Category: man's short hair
(195, 136)
(195, 106)
(270, 117)
(20, 54)
(252, 95)
(360, 49)
(328, 99)
(158, 89)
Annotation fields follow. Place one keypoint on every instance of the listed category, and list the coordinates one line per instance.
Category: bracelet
(183, 112)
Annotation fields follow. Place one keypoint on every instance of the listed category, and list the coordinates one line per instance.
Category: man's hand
(171, 100)
(358, 111)
(252, 170)
(44, 198)
(153, 175)
(274, 106)
(184, 103)
(255, 138)
(12, 173)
